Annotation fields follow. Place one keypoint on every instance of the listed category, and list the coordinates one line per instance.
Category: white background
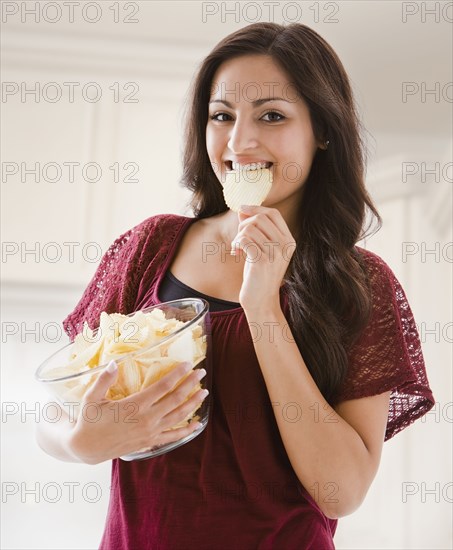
(383, 45)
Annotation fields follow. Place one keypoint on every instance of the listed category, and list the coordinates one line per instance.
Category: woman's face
(255, 115)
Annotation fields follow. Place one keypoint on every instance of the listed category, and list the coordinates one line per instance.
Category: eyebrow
(257, 102)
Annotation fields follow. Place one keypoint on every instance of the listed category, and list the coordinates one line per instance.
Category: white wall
(159, 54)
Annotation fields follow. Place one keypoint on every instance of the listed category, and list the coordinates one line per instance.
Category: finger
(254, 243)
(264, 224)
(178, 414)
(187, 384)
(252, 234)
(179, 433)
(103, 382)
(155, 391)
(273, 213)
(180, 393)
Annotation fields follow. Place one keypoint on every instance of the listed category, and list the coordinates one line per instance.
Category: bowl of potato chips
(146, 345)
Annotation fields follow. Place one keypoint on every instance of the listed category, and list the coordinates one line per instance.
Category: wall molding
(103, 55)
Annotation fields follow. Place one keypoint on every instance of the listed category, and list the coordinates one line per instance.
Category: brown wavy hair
(328, 293)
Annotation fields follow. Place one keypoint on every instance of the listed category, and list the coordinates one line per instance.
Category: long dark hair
(328, 294)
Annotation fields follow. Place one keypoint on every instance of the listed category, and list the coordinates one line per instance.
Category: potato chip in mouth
(246, 187)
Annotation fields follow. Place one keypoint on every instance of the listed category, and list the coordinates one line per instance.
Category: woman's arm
(335, 453)
(54, 437)
(157, 408)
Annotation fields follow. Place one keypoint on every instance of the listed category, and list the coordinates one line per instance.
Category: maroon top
(233, 487)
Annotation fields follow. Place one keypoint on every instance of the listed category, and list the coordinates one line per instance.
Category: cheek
(298, 147)
(297, 153)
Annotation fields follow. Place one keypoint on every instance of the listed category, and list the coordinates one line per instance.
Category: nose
(243, 136)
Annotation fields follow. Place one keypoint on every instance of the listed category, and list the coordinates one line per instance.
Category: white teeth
(250, 166)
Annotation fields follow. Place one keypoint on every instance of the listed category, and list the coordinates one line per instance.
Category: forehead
(250, 74)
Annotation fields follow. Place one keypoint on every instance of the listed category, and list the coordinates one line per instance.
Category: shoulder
(389, 301)
(387, 355)
(378, 273)
(373, 263)
(159, 227)
(158, 222)
(116, 282)
(138, 244)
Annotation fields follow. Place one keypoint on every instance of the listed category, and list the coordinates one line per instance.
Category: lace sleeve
(388, 355)
(115, 282)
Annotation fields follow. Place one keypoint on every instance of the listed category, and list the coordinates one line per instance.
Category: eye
(217, 115)
(273, 116)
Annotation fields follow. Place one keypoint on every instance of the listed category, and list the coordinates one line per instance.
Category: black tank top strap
(172, 288)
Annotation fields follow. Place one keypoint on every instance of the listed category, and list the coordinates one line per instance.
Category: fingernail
(204, 394)
(111, 367)
(197, 425)
(201, 373)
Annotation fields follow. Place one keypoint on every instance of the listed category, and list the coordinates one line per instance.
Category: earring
(326, 143)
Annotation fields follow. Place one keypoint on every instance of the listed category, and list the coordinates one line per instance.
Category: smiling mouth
(235, 166)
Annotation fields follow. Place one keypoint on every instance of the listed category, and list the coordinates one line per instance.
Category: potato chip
(182, 348)
(130, 340)
(88, 357)
(246, 187)
(132, 380)
(80, 344)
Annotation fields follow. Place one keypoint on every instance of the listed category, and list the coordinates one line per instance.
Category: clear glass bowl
(190, 342)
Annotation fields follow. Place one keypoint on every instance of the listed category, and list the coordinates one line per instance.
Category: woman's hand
(135, 422)
(263, 236)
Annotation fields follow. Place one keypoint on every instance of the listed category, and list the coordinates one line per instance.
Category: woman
(315, 352)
